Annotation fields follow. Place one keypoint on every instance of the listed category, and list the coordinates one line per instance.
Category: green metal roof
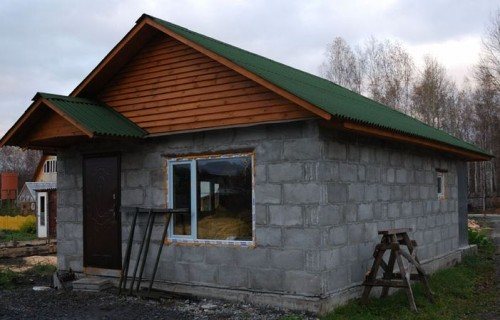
(96, 117)
(326, 95)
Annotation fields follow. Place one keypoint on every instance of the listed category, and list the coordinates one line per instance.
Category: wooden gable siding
(52, 126)
(169, 87)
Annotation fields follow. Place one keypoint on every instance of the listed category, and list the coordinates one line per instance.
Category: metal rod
(146, 249)
(160, 248)
(139, 254)
(126, 260)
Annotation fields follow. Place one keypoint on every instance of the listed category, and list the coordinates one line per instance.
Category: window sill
(198, 242)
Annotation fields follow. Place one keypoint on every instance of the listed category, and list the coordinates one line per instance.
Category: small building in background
(8, 187)
(40, 197)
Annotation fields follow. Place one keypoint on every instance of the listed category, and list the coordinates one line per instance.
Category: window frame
(441, 195)
(192, 160)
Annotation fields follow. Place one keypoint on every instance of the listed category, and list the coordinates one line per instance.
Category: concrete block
(337, 278)
(302, 149)
(285, 215)
(336, 150)
(365, 212)
(356, 192)
(302, 193)
(260, 173)
(268, 193)
(361, 173)
(372, 174)
(302, 238)
(268, 236)
(287, 259)
(337, 193)
(328, 171)
(190, 254)
(254, 133)
(252, 257)
(383, 193)
(338, 235)
(261, 215)
(221, 255)
(350, 212)
(282, 172)
(233, 277)
(302, 282)
(266, 279)
(371, 192)
(270, 151)
(203, 273)
(330, 215)
(132, 197)
(348, 172)
(401, 176)
(406, 209)
(391, 175)
(356, 233)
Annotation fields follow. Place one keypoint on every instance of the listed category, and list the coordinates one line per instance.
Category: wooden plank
(119, 85)
(186, 99)
(204, 116)
(312, 108)
(236, 100)
(234, 121)
(175, 87)
(206, 110)
(166, 83)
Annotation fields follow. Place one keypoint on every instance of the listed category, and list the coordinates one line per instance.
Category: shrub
(28, 226)
(481, 240)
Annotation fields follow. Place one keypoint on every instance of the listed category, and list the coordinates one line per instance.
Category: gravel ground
(22, 302)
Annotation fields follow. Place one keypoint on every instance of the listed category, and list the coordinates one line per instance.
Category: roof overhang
(31, 130)
(54, 121)
(372, 131)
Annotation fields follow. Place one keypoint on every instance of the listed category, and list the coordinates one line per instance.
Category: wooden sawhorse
(393, 240)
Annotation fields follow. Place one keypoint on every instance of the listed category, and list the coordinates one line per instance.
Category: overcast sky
(51, 46)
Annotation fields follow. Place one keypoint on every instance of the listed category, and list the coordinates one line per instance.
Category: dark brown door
(101, 220)
(53, 214)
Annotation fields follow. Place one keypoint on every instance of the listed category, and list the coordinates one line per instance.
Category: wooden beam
(399, 137)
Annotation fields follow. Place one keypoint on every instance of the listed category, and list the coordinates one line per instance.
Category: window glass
(181, 197)
(224, 199)
(42, 210)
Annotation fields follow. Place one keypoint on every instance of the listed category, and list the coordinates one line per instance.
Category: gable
(52, 125)
(170, 87)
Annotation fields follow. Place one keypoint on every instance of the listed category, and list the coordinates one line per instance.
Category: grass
(9, 279)
(462, 292)
(11, 235)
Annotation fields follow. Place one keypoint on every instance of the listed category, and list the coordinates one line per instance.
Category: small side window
(440, 185)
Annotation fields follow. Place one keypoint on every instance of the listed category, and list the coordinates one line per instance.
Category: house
(40, 197)
(287, 176)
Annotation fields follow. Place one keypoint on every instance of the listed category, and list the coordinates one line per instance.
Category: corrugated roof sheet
(96, 117)
(33, 187)
(328, 96)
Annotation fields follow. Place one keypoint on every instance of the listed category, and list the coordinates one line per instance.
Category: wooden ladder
(394, 240)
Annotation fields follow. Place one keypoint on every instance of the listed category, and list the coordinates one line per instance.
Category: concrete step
(92, 284)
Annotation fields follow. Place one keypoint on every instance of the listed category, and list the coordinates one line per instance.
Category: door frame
(118, 202)
(39, 195)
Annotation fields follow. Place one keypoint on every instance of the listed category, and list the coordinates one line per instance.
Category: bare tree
(23, 162)
(389, 73)
(342, 65)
